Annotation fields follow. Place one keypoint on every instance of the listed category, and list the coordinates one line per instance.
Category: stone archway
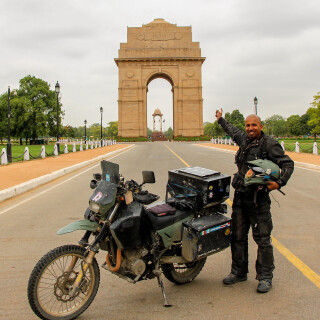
(160, 49)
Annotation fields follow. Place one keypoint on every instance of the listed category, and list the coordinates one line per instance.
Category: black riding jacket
(263, 148)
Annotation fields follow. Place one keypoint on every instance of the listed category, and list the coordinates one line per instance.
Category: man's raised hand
(219, 114)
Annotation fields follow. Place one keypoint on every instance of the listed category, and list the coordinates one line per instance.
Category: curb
(33, 183)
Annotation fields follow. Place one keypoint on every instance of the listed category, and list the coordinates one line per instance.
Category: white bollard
(225, 141)
(26, 156)
(99, 144)
(297, 147)
(230, 142)
(282, 145)
(211, 140)
(315, 148)
(81, 148)
(96, 143)
(43, 152)
(234, 144)
(91, 144)
(87, 145)
(4, 158)
(65, 149)
(74, 149)
(55, 150)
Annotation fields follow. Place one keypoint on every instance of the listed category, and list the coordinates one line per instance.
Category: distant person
(251, 203)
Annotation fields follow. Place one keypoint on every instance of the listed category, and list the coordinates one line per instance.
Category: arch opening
(160, 96)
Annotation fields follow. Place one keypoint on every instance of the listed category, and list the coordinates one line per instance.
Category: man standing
(251, 205)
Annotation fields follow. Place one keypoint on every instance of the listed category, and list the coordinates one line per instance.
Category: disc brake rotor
(63, 286)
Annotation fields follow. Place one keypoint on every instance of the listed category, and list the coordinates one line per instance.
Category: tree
(112, 129)
(314, 114)
(236, 118)
(294, 125)
(149, 132)
(33, 109)
(305, 129)
(208, 129)
(276, 125)
(3, 116)
(169, 133)
(217, 130)
(68, 131)
(94, 131)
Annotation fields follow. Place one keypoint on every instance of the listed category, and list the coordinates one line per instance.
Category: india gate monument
(160, 49)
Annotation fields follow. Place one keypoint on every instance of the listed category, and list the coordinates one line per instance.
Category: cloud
(268, 49)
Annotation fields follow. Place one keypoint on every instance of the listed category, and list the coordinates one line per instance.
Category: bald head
(254, 117)
(253, 126)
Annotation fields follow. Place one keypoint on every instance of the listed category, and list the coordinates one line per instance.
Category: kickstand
(166, 304)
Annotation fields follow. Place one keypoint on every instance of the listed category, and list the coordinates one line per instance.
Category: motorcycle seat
(160, 222)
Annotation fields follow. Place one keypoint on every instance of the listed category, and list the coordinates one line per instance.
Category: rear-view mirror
(148, 177)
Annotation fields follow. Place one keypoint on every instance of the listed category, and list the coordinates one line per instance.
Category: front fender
(79, 225)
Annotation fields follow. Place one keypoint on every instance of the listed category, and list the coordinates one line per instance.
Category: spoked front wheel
(183, 273)
(52, 279)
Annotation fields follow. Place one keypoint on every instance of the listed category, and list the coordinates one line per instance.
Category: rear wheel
(183, 273)
(52, 279)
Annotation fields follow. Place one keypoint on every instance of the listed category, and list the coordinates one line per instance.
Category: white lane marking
(316, 168)
(57, 185)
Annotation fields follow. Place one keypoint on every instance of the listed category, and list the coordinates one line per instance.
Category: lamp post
(101, 111)
(57, 88)
(255, 101)
(85, 131)
(9, 152)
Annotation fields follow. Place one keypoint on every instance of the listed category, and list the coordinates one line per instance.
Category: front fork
(92, 251)
(88, 261)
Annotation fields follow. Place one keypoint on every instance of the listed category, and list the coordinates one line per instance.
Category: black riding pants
(248, 211)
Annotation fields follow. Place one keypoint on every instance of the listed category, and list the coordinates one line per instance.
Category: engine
(134, 264)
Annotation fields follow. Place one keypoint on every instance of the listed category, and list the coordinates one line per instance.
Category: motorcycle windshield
(110, 171)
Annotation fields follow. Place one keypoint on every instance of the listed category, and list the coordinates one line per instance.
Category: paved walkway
(19, 172)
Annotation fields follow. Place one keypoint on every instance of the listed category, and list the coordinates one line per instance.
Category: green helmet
(260, 172)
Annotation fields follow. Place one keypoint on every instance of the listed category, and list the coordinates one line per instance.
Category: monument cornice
(117, 60)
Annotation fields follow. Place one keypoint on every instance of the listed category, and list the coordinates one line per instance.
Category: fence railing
(296, 148)
(26, 155)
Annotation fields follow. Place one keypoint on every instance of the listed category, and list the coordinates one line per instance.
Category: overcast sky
(264, 48)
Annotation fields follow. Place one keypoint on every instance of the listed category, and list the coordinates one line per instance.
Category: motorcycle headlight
(94, 207)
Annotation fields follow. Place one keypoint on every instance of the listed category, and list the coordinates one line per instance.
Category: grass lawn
(34, 150)
(306, 145)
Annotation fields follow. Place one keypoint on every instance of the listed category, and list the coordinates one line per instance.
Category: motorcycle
(142, 239)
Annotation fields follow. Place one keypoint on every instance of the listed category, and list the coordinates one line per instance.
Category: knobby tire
(51, 266)
(183, 273)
